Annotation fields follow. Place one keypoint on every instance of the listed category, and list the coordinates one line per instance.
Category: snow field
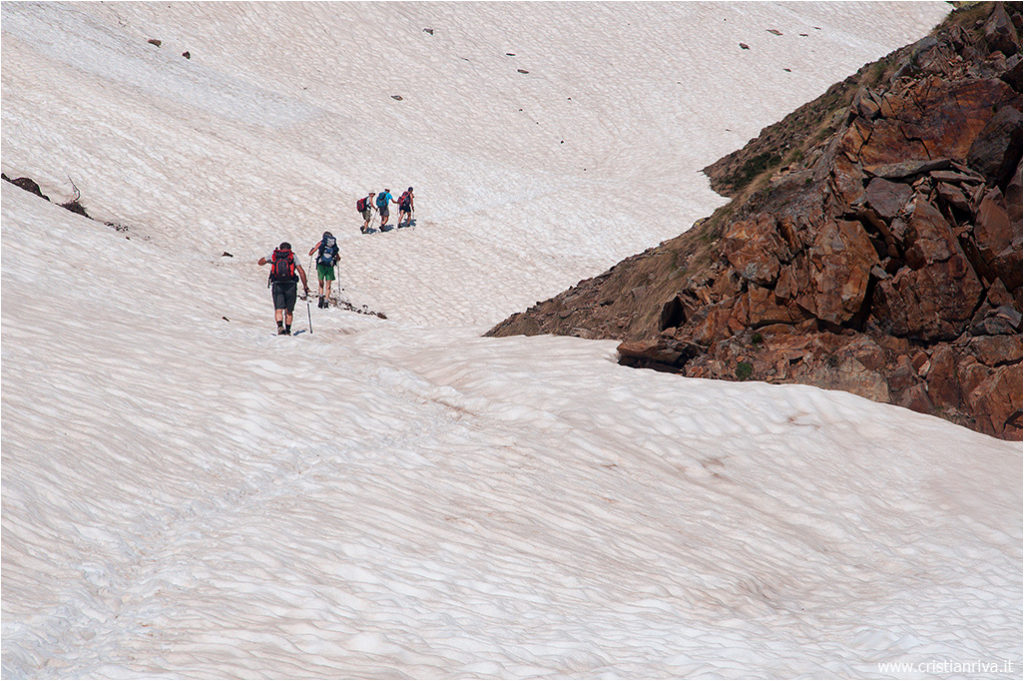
(283, 117)
(221, 501)
(186, 495)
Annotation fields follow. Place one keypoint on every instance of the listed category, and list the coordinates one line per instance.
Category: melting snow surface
(187, 495)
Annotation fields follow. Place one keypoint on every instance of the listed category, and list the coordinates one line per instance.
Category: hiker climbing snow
(405, 207)
(327, 256)
(284, 275)
(384, 199)
(365, 207)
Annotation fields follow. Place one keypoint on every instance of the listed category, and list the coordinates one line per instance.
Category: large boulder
(996, 149)
(838, 267)
(998, 240)
(886, 197)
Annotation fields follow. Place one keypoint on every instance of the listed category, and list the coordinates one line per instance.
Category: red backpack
(282, 266)
(361, 204)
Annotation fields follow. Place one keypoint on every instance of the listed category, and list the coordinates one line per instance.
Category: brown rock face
(839, 263)
(887, 198)
(933, 296)
(882, 257)
(998, 240)
(939, 119)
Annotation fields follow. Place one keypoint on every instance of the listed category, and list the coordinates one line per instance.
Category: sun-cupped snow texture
(188, 495)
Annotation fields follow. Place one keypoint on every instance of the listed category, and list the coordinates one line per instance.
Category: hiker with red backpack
(327, 255)
(405, 207)
(365, 207)
(283, 284)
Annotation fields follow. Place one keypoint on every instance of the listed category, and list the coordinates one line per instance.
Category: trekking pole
(309, 316)
(310, 270)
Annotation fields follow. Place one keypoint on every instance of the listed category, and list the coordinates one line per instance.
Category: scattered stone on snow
(73, 205)
(26, 183)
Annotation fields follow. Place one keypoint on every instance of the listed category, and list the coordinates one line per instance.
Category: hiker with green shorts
(327, 255)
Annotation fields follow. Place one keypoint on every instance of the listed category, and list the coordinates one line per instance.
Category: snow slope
(283, 117)
(186, 495)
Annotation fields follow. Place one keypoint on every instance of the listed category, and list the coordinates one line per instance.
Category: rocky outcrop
(879, 252)
(26, 183)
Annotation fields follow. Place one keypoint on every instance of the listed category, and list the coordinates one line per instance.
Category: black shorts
(285, 293)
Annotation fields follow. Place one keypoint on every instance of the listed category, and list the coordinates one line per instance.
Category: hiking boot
(281, 331)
